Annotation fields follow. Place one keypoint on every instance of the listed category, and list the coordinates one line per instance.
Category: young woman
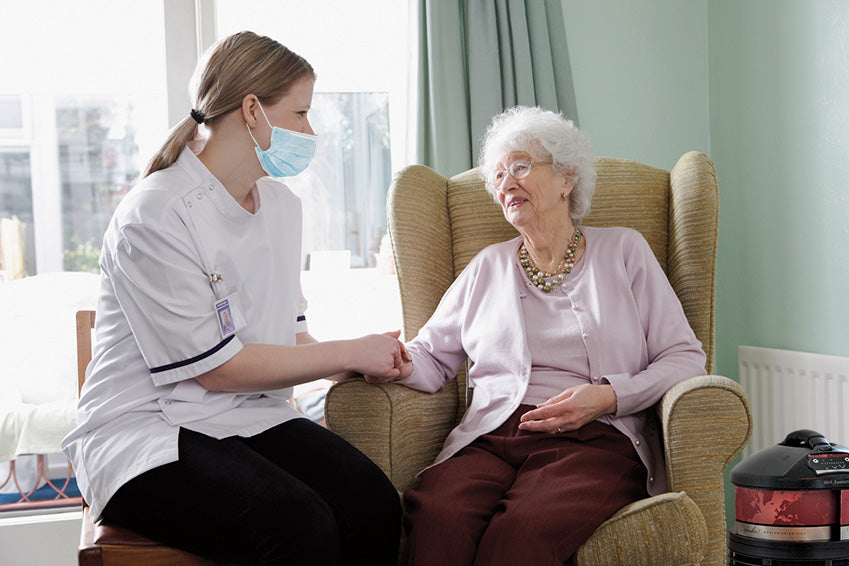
(184, 431)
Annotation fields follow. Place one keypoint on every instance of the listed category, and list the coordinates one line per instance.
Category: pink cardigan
(636, 336)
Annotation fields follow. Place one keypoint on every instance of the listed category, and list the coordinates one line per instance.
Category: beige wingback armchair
(437, 225)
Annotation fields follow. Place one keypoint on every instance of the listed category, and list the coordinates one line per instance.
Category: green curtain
(477, 57)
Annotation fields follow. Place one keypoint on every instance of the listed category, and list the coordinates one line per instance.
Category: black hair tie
(197, 116)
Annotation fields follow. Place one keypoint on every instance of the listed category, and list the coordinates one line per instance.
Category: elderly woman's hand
(571, 409)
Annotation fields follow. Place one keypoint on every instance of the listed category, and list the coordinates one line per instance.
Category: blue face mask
(289, 153)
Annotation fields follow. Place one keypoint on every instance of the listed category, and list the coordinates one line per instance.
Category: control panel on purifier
(829, 462)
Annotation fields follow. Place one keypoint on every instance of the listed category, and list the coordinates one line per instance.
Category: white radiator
(794, 390)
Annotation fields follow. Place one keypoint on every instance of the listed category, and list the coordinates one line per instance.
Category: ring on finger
(557, 430)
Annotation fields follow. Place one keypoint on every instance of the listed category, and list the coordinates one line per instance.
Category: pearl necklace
(539, 278)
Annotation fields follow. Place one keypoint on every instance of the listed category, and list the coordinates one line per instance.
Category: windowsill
(43, 538)
(39, 516)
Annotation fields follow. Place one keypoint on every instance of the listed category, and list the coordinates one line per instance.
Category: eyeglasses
(519, 169)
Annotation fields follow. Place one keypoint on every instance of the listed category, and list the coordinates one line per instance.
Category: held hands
(383, 357)
(571, 409)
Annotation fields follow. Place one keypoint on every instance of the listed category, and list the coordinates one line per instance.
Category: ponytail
(179, 136)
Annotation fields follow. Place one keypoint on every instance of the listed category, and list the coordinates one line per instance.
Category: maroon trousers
(516, 497)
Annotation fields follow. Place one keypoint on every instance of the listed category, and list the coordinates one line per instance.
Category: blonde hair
(535, 130)
(241, 64)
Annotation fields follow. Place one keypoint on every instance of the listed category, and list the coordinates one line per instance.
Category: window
(85, 99)
(344, 190)
(16, 218)
(98, 162)
(80, 102)
(359, 52)
(73, 136)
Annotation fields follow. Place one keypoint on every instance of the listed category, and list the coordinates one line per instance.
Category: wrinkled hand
(402, 365)
(571, 409)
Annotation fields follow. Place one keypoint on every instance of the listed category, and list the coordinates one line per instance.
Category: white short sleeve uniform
(161, 321)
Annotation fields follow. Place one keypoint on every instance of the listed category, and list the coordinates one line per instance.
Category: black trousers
(296, 494)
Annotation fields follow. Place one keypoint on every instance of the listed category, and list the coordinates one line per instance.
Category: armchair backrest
(438, 225)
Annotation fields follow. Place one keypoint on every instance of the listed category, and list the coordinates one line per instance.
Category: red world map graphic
(787, 508)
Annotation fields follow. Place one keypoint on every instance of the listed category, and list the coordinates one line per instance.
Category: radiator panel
(791, 390)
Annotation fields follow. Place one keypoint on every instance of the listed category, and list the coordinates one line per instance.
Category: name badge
(230, 315)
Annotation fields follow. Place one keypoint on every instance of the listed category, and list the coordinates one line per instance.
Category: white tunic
(157, 327)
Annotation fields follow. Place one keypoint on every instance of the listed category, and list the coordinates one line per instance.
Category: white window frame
(189, 32)
(189, 27)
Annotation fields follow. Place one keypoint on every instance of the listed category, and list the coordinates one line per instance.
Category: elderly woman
(572, 335)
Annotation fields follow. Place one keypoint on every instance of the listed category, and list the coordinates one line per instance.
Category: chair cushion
(665, 529)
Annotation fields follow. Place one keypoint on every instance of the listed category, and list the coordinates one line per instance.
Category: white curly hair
(545, 135)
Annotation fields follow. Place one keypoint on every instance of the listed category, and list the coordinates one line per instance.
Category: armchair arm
(400, 429)
(706, 422)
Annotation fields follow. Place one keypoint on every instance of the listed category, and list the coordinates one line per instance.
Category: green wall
(762, 87)
(640, 70)
(779, 106)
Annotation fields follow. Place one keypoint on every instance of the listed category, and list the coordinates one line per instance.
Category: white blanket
(34, 429)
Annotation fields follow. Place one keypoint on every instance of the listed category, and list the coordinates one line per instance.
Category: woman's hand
(376, 354)
(402, 364)
(571, 409)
